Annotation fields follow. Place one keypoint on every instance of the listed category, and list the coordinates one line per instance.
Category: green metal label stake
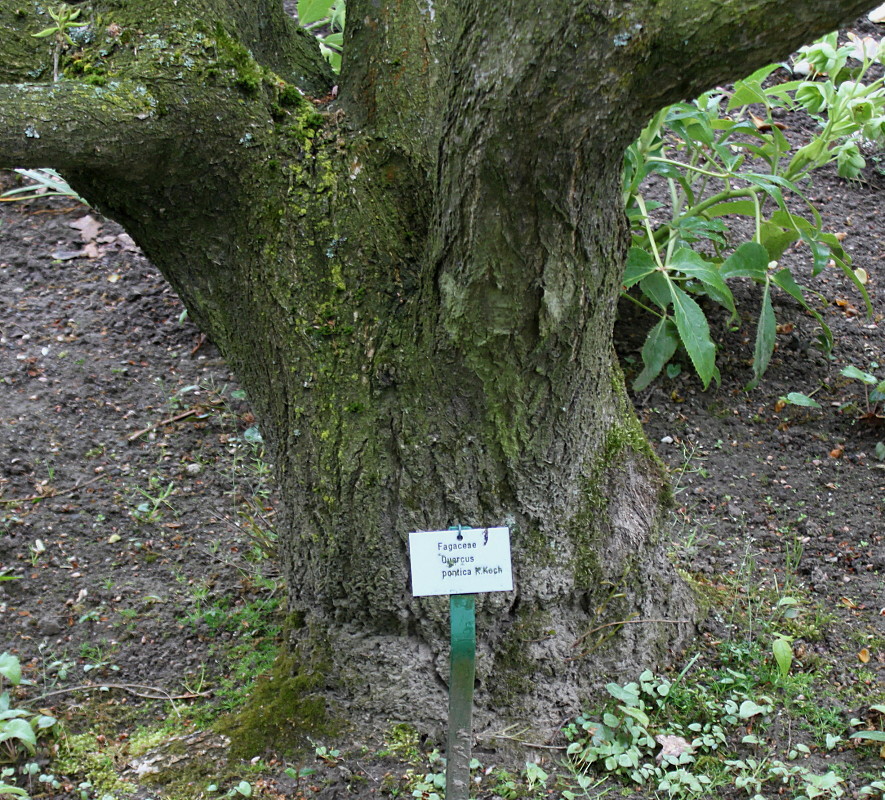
(476, 560)
(462, 672)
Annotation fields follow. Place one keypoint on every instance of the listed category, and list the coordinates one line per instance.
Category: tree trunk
(416, 283)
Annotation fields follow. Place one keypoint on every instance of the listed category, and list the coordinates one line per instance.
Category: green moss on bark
(286, 708)
(514, 670)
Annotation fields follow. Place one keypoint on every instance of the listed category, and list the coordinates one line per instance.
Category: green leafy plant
(798, 399)
(329, 755)
(325, 19)
(874, 789)
(44, 183)
(19, 728)
(677, 739)
(64, 18)
(874, 390)
(151, 510)
(242, 789)
(625, 740)
(873, 735)
(718, 163)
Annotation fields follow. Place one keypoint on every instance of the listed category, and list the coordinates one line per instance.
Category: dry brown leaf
(88, 227)
(838, 451)
(764, 125)
(672, 746)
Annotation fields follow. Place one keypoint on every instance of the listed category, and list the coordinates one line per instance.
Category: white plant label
(461, 562)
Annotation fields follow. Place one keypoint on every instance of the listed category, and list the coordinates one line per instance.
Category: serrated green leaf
(659, 347)
(820, 252)
(747, 92)
(750, 260)
(639, 264)
(690, 263)
(785, 219)
(695, 334)
(656, 287)
(692, 229)
(784, 279)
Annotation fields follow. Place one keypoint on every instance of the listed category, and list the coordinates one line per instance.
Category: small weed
(874, 392)
(20, 728)
(720, 162)
(242, 789)
(64, 18)
(97, 659)
(156, 496)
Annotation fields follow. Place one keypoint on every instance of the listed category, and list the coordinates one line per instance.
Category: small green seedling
(873, 736)
(874, 390)
(798, 399)
(64, 18)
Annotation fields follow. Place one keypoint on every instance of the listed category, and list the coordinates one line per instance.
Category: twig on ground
(504, 735)
(183, 415)
(52, 493)
(156, 692)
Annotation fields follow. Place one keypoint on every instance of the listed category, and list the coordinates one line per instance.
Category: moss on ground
(284, 709)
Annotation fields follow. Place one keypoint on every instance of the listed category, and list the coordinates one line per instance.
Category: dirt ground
(136, 508)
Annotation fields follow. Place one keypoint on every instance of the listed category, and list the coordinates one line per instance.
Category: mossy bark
(416, 283)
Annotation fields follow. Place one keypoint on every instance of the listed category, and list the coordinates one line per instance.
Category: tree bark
(416, 284)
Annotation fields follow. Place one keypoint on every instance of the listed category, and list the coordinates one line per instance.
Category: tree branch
(687, 47)
(69, 124)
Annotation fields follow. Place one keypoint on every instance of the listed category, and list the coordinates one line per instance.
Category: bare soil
(136, 509)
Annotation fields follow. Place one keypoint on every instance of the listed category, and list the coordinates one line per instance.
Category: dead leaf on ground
(88, 226)
(672, 746)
